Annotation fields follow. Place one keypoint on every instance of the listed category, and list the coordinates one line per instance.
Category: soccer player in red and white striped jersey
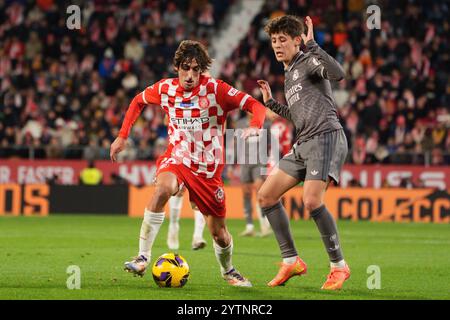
(197, 107)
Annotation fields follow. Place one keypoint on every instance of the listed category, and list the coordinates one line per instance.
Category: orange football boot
(287, 271)
(336, 278)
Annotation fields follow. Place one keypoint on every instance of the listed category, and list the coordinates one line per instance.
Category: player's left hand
(117, 146)
(250, 132)
(310, 33)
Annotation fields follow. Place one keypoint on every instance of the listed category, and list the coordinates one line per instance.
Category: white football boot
(198, 243)
(234, 278)
(137, 266)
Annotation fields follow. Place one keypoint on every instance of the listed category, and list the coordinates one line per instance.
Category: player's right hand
(117, 146)
(265, 90)
(250, 132)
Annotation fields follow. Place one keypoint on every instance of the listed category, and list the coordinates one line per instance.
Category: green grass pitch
(414, 260)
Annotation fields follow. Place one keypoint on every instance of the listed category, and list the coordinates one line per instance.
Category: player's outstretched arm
(258, 111)
(280, 109)
(325, 65)
(117, 146)
(149, 96)
(133, 112)
(231, 98)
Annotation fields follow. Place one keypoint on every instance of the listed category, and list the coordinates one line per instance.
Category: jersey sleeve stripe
(143, 97)
(321, 72)
(243, 101)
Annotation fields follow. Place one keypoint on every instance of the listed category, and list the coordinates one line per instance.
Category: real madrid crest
(295, 75)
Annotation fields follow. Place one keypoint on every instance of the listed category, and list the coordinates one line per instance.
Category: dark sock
(280, 225)
(328, 230)
(248, 209)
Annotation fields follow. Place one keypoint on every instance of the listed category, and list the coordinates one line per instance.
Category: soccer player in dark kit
(319, 150)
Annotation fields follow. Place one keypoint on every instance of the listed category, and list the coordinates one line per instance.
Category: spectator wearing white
(341, 94)
(134, 50)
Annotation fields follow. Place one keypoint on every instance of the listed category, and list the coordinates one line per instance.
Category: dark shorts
(318, 158)
(251, 172)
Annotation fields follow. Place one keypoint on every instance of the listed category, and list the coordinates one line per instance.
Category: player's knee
(311, 202)
(265, 199)
(164, 191)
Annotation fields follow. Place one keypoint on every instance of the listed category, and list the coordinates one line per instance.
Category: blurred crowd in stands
(395, 101)
(64, 92)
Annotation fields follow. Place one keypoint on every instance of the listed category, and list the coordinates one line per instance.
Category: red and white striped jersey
(196, 119)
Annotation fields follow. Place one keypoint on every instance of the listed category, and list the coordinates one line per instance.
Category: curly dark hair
(189, 50)
(289, 24)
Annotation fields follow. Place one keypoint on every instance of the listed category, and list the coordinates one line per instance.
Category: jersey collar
(294, 61)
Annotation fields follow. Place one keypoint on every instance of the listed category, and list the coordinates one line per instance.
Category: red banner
(142, 173)
(377, 176)
(374, 176)
(68, 171)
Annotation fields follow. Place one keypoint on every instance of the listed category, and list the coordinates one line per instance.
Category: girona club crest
(203, 102)
(220, 195)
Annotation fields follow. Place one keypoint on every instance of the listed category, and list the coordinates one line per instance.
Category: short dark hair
(289, 24)
(189, 50)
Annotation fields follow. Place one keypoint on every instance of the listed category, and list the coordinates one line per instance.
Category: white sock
(339, 264)
(175, 205)
(290, 260)
(249, 227)
(223, 256)
(264, 223)
(199, 224)
(176, 202)
(149, 229)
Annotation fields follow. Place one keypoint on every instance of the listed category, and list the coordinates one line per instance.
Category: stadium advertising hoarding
(142, 173)
(27, 200)
(67, 172)
(42, 199)
(356, 204)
